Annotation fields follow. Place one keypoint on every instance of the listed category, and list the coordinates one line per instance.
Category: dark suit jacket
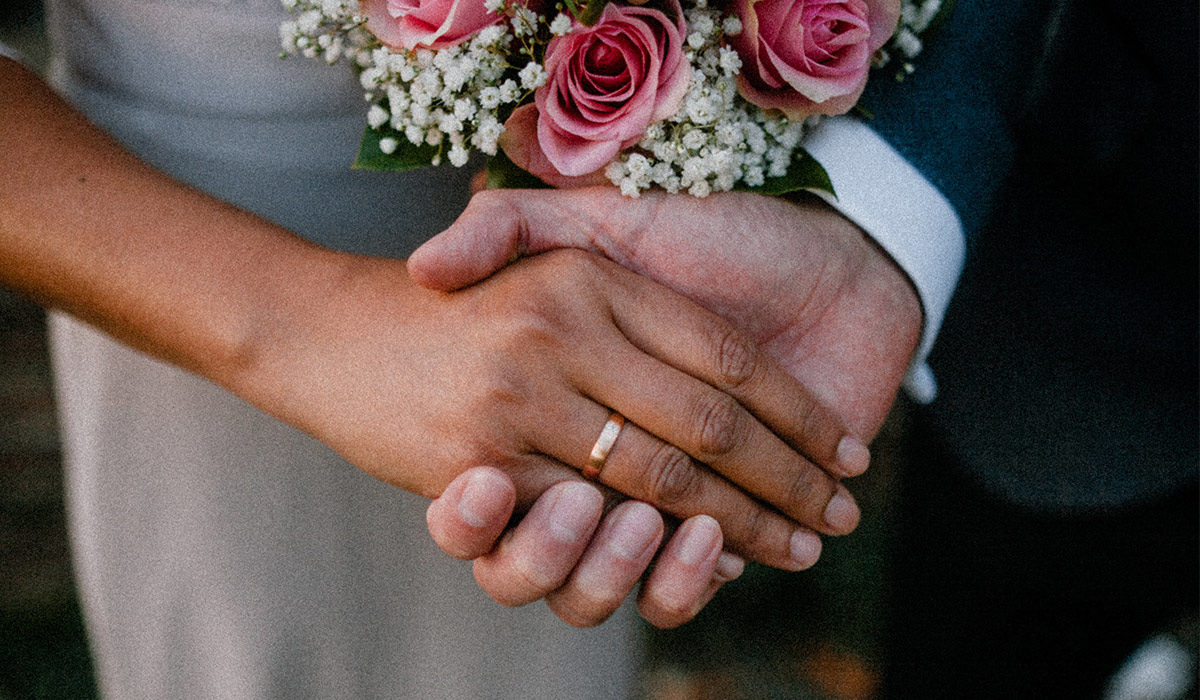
(1065, 133)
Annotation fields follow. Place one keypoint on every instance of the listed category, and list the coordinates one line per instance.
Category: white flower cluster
(716, 140)
(447, 98)
(915, 18)
(452, 98)
(327, 29)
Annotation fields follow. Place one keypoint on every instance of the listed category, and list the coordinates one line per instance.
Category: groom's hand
(799, 278)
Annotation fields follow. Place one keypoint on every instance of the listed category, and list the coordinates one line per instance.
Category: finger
(685, 576)
(729, 567)
(487, 236)
(716, 430)
(707, 347)
(499, 226)
(612, 565)
(646, 468)
(537, 555)
(469, 516)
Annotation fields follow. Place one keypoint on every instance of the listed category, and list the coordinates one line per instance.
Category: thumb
(485, 237)
(499, 226)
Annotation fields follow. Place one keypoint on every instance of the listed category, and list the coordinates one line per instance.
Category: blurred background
(768, 635)
(43, 650)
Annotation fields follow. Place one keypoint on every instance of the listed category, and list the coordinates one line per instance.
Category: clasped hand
(800, 279)
(520, 372)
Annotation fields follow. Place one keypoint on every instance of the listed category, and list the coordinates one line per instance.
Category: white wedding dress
(219, 553)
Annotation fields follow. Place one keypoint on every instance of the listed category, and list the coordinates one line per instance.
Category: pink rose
(807, 57)
(605, 85)
(433, 24)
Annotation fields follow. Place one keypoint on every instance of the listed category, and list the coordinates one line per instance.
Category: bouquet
(690, 96)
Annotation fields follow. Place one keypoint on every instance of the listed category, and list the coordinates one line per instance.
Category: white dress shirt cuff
(910, 219)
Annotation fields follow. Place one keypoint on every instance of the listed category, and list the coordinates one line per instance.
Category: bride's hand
(522, 371)
(798, 278)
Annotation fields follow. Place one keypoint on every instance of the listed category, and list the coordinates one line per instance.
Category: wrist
(865, 306)
(904, 214)
(295, 353)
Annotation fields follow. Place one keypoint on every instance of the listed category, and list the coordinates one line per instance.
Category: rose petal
(434, 24)
(809, 56)
(520, 143)
(606, 84)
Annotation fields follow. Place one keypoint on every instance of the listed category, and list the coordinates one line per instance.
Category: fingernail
(806, 548)
(701, 535)
(482, 500)
(574, 512)
(853, 457)
(635, 530)
(729, 567)
(842, 513)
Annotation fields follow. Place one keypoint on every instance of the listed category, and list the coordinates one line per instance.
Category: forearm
(87, 228)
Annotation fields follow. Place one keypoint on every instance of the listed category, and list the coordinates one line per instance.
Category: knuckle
(535, 324)
(673, 478)
(494, 404)
(807, 416)
(580, 609)
(497, 206)
(738, 360)
(753, 531)
(819, 429)
(807, 492)
(528, 581)
(665, 612)
(721, 425)
(506, 390)
(759, 533)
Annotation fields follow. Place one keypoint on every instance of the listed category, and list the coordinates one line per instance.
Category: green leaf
(405, 157)
(503, 174)
(805, 173)
(592, 11)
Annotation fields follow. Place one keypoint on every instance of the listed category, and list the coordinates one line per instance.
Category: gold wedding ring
(604, 445)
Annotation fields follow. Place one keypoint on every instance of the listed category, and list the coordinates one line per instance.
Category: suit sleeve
(920, 174)
(953, 118)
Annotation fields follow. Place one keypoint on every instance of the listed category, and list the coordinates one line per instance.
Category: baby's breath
(456, 98)
(450, 98)
(715, 140)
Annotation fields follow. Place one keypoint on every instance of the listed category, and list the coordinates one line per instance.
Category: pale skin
(518, 373)
(798, 278)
